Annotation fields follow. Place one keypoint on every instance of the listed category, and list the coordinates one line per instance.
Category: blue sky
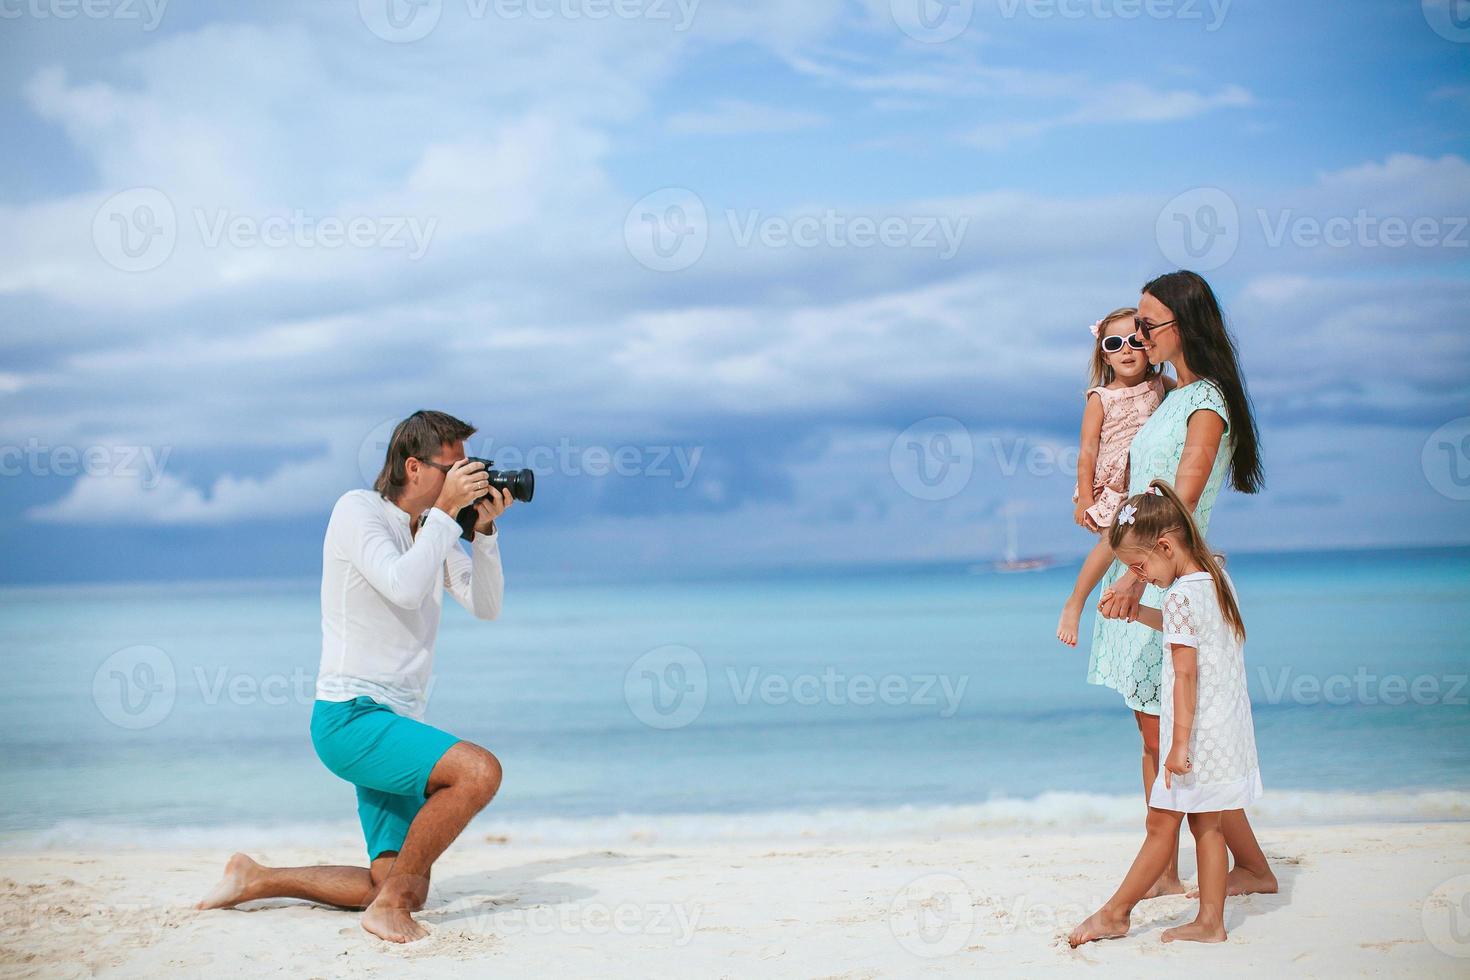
(636, 243)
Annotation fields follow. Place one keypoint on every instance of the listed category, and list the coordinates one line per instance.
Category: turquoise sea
(921, 697)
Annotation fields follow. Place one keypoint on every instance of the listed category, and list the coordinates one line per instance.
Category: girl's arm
(1151, 617)
(1147, 615)
(1186, 693)
(1201, 446)
(1091, 439)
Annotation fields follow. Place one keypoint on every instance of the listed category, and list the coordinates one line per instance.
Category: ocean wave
(1070, 812)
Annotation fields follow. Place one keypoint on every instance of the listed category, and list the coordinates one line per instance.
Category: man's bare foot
(1196, 932)
(392, 924)
(1242, 882)
(234, 887)
(1165, 886)
(1101, 924)
(1068, 625)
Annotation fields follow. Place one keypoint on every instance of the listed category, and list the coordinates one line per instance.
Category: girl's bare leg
(1111, 921)
(1148, 726)
(1209, 847)
(1094, 567)
(1252, 874)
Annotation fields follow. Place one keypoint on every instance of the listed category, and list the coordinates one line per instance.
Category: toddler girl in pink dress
(1125, 391)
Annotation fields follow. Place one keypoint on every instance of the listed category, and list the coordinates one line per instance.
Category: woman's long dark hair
(1209, 350)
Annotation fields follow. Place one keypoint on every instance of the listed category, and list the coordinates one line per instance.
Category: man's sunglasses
(1114, 343)
(1147, 329)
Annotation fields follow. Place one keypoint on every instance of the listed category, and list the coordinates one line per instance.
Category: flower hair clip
(1126, 514)
(1096, 329)
(1155, 491)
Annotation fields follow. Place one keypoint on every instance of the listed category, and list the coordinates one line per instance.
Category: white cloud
(1111, 104)
(167, 499)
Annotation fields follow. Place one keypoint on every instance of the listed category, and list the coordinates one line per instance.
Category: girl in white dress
(1207, 739)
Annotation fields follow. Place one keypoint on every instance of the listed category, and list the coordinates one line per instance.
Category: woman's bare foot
(234, 887)
(1070, 622)
(1196, 932)
(392, 923)
(1101, 924)
(1242, 882)
(1166, 886)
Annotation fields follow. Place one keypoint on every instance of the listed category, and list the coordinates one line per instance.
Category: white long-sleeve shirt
(382, 592)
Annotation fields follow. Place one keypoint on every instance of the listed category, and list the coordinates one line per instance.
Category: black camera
(520, 483)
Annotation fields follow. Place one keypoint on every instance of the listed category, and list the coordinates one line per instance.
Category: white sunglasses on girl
(1114, 343)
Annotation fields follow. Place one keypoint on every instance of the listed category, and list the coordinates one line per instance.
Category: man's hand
(463, 485)
(497, 503)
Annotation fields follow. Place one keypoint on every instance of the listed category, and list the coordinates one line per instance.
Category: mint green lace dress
(1129, 657)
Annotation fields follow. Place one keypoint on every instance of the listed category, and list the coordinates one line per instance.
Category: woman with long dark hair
(1202, 431)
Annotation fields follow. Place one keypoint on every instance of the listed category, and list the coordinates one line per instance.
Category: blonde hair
(1158, 514)
(1101, 373)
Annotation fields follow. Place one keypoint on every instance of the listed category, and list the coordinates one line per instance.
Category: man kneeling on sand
(389, 554)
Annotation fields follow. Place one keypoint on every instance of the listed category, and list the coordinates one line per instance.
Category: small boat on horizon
(1012, 562)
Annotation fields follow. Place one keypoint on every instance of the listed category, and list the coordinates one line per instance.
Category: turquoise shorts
(386, 756)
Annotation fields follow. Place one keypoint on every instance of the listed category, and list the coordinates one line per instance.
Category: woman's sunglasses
(1114, 343)
(1147, 329)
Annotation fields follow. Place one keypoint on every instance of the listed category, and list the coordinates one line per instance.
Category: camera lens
(520, 483)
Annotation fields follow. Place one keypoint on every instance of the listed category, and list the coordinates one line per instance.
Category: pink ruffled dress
(1124, 412)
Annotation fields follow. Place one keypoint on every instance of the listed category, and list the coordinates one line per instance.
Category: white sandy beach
(1353, 902)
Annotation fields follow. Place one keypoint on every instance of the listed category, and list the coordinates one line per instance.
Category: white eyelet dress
(1222, 742)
